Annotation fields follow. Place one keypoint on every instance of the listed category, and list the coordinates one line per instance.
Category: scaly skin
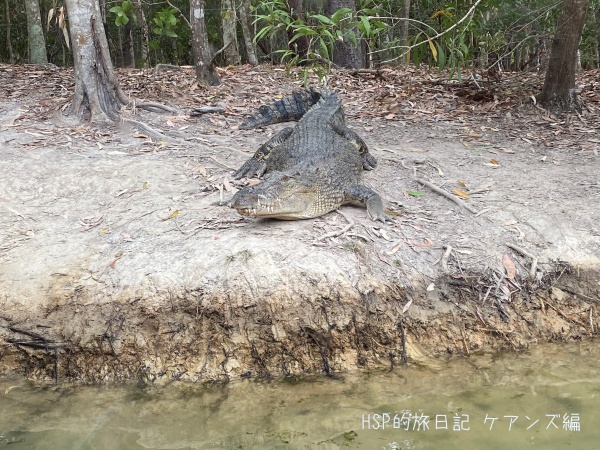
(311, 169)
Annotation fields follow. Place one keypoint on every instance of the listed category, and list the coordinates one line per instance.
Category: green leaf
(121, 19)
(351, 37)
(366, 25)
(321, 18)
(441, 56)
(339, 14)
(115, 9)
(170, 33)
(415, 193)
(324, 51)
(329, 35)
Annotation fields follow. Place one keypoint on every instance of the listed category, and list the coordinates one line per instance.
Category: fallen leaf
(173, 214)
(511, 270)
(460, 193)
(394, 249)
(415, 193)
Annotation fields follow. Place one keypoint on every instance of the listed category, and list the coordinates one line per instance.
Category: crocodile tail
(290, 108)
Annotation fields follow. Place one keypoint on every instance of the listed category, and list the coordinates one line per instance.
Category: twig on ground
(577, 294)
(206, 110)
(445, 258)
(562, 314)
(153, 107)
(403, 356)
(486, 295)
(338, 232)
(525, 253)
(154, 134)
(464, 340)
(448, 195)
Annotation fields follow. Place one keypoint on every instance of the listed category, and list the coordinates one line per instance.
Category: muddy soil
(119, 261)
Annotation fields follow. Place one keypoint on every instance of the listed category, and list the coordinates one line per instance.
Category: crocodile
(312, 168)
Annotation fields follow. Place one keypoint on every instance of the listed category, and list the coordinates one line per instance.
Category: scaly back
(290, 108)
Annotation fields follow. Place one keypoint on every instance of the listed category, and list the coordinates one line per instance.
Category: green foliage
(166, 22)
(123, 11)
(321, 31)
(515, 33)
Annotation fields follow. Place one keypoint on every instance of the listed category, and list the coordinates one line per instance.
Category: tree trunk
(143, 32)
(228, 23)
(35, 33)
(248, 33)
(301, 44)
(205, 70)
(558, 93)
(97, 94)
(11, 55)
(128, 55)
(345, 53)
(404, 29)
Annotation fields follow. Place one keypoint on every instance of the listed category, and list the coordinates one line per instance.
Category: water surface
(545, 398)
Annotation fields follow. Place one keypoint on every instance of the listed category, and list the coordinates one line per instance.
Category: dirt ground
(118, 260)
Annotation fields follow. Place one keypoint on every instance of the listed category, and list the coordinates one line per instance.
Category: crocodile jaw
(292, 207)
(279, 197)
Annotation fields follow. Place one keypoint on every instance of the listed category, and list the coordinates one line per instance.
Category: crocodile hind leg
(369, 162)
(257, 165)
(359, 194)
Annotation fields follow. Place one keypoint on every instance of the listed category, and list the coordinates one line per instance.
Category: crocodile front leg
(369, 162)
(257, 165)
(360, 194)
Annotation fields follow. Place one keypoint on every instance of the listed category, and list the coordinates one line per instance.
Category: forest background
(488, 34)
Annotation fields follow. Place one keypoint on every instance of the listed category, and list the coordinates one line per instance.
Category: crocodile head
(282, 196)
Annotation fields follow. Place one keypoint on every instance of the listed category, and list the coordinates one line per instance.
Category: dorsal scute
(290, 108)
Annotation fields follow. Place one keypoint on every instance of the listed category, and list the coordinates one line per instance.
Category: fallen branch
(206, 110)
(154, 107)
(448, 195)
(525, 253)
(155, 134)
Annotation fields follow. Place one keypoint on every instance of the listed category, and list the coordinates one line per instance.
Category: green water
(546, 398)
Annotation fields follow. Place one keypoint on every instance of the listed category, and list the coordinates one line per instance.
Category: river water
(545, 398)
